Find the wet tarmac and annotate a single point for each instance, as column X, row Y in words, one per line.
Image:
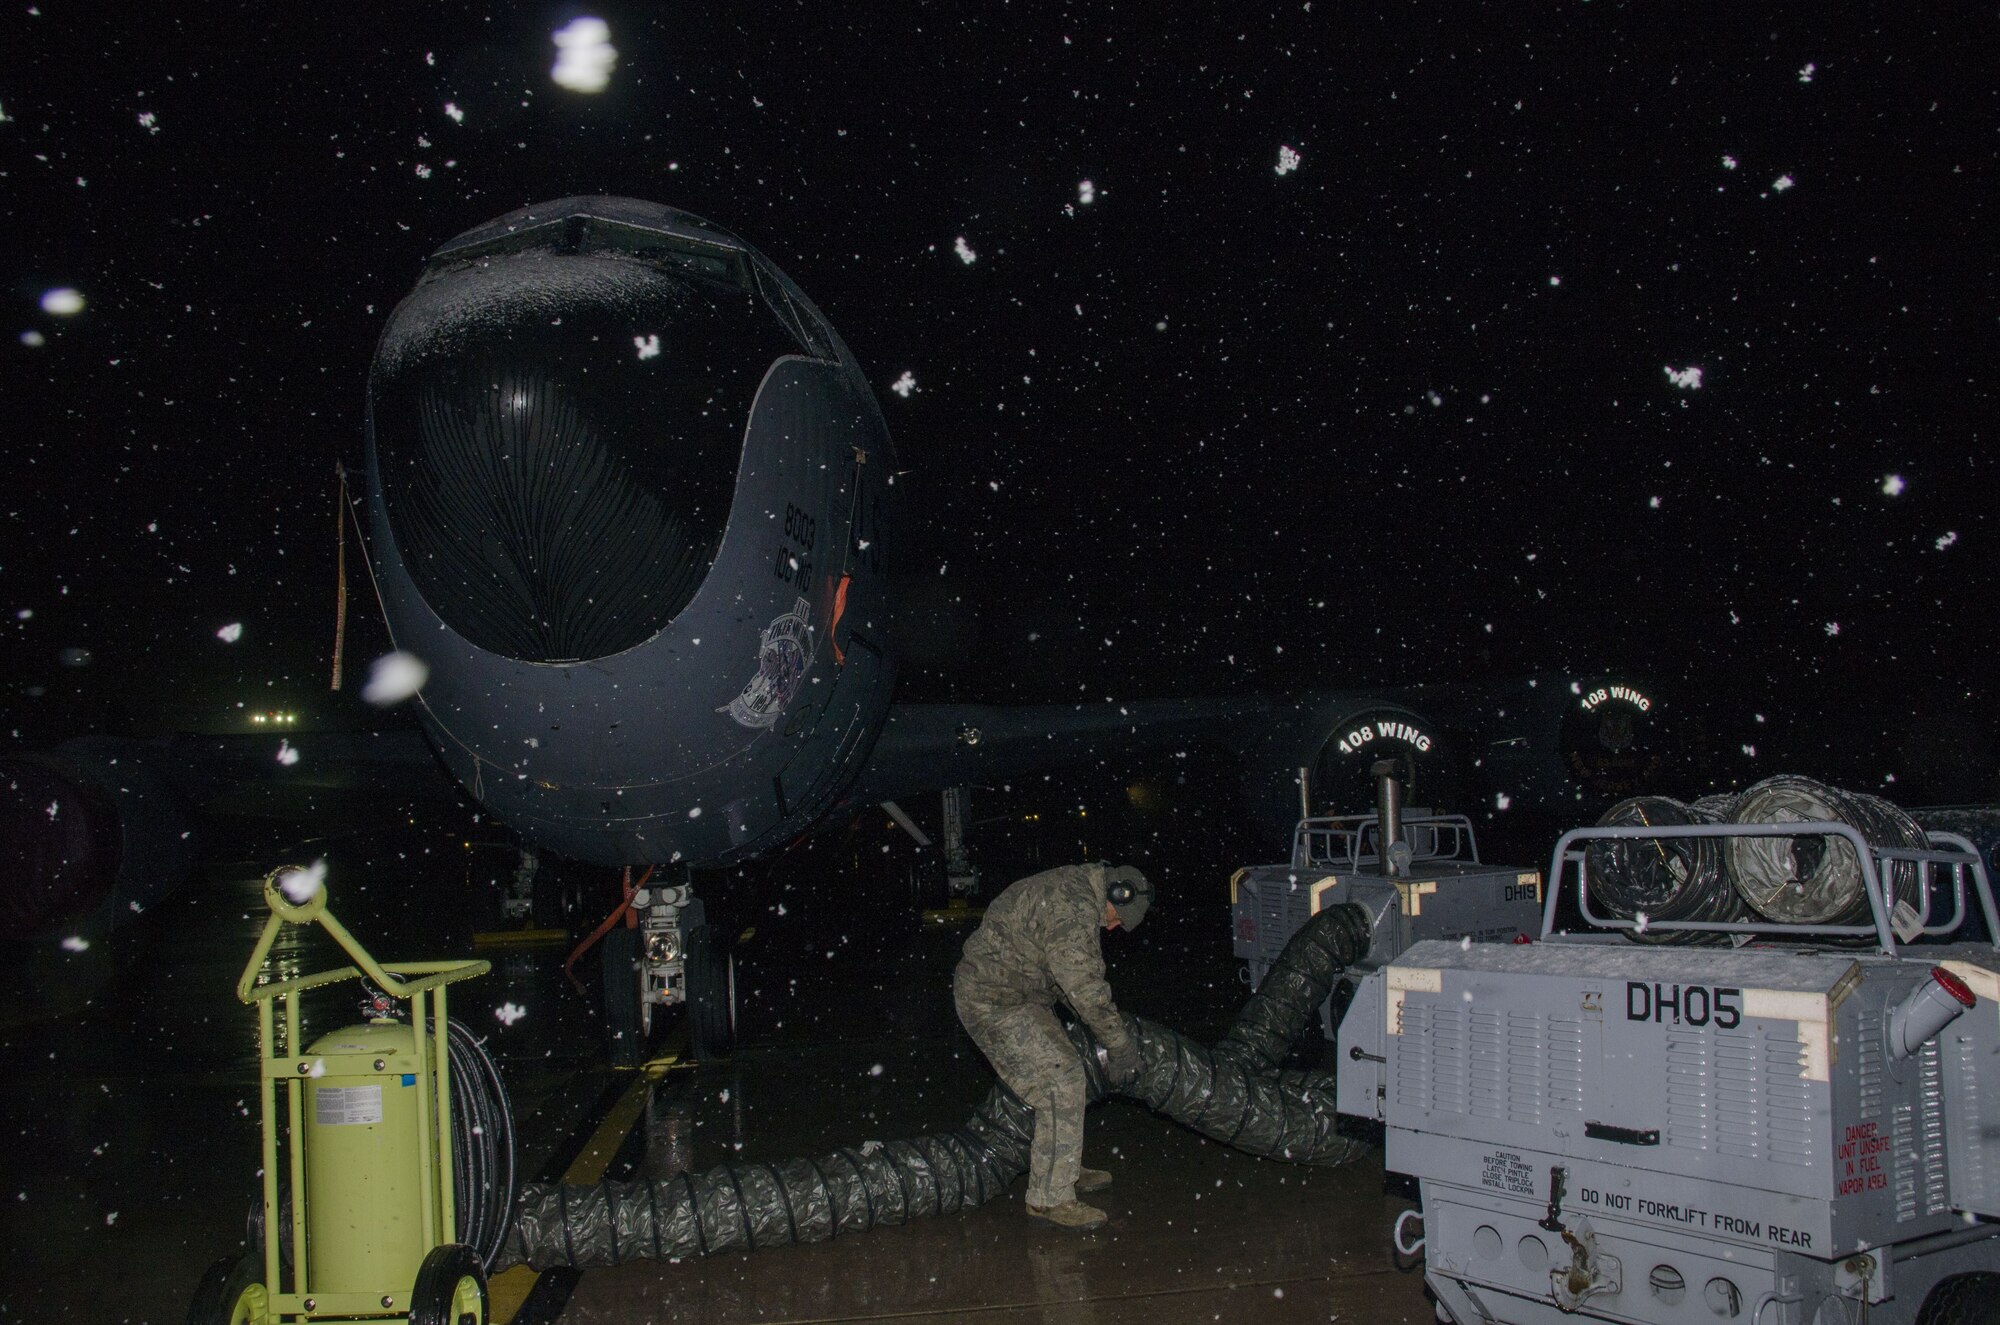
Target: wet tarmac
column 128, row 1114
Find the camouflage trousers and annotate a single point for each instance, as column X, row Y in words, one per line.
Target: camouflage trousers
column 1031, row 1054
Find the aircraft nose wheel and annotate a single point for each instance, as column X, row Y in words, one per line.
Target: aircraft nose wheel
column 711, row 993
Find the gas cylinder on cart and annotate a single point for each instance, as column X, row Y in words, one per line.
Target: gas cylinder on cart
column 363, row 1159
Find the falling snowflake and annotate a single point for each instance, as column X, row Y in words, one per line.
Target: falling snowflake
column 1728, row 162
column 394, row 677
column 1288, row 160
column 1750, row 750
column 1086, row 192
column 149, row 121
column 875, row 1071
column 964, row 251
column 648, row 346
column 1832, row 628
column 1501, row 800
column 695, row 813
column 1805, row 74
column 1950, row 537
column 1653, row 502
column 33, row 339
column 457, row 115
column 303, row 883
column 62, row 301
column 509, row 1013
column 1892, row 486
column 230, row 633
column 1687, row 379
column 286, row 755
column 75, row 943
column 905, row 384
column 423, row 171
column 53, row 807
column 1555, row 280
column 1781, row 183
column 584, row 55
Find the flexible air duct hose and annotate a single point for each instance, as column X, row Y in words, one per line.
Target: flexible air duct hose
column 1665, row 878
column 1816, row 880
column 741, row 1207
column 1289, row 997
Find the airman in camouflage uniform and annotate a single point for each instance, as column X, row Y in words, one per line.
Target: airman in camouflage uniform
column 1038, row 944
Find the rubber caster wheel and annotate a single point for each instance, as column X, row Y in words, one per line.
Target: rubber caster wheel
column 231, row 1293
column 451, row 1288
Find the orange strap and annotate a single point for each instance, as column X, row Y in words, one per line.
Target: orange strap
column 839, row 611
column 624, row 908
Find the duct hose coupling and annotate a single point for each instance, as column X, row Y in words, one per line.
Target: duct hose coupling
column 1929, row 1008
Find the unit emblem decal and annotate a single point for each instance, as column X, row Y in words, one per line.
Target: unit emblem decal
column 783, row 652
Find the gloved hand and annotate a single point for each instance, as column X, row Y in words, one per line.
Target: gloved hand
column 1121, row 1067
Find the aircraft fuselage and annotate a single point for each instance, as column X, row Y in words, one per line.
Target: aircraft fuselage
column 627, row 495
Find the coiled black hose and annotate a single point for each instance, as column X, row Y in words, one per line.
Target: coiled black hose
column 485, row 1183
column 740, row 1207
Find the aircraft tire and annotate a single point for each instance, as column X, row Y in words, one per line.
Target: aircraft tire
column 621, row 997
column 710, row 996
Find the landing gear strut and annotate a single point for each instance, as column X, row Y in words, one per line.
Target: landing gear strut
column 674, row 956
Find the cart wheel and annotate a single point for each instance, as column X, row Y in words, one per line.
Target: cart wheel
column 231, row 1293
column 451, row 1288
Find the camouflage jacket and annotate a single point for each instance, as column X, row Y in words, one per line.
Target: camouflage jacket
column 1039, row 943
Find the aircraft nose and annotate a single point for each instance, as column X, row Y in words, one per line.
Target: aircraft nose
column 557, row 438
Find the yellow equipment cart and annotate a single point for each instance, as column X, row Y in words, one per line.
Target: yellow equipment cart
column 366, row 1132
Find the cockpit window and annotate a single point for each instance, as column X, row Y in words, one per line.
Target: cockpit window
column 799, row 318
column 692, row 255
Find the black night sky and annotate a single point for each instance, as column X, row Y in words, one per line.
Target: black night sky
column 1189, row 423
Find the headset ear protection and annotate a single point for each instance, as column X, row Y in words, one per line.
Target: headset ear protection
column 1123, row 891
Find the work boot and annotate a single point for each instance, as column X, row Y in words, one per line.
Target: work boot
column 1092, row 1180
column 1072, row 1215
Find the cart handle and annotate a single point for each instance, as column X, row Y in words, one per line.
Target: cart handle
column 284, row 911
